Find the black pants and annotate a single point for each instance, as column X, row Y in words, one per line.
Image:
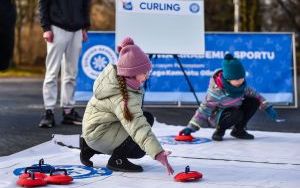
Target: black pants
column 130, row 149
column 239, row 117
column 7, row 32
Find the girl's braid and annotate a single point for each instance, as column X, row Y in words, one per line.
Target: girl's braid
column 126, row 113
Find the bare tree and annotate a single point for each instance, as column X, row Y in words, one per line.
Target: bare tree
column 26, row 10
column 291, row 9
column 250, row 15
column 281, row 15
column 218, row 15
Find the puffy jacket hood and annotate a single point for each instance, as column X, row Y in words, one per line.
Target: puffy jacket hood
column 107, row 85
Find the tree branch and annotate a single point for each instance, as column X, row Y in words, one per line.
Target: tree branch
column 290, row 15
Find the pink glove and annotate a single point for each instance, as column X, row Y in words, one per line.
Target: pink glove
column 162, row 157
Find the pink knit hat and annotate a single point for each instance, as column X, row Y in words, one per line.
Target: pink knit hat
column 132, row 60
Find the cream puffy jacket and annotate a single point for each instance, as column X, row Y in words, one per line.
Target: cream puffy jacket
column 104, row 128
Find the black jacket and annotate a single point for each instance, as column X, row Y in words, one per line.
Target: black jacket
column 70, row 15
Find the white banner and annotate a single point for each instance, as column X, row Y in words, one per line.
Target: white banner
column 162, row 7
column 162, row 27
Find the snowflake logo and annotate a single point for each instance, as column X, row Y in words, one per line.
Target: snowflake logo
column 99, row 62
column 95, row 59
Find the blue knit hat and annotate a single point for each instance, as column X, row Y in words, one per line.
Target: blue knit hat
column 232, row 68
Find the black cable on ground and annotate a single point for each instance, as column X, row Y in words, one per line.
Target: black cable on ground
column 206, row 158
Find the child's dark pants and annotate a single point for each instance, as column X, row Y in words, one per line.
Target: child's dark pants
column 129, row 149
column 118, row 160
column 239, row 117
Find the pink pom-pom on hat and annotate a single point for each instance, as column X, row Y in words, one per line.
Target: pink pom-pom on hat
column 132, row 60
column 127, row 41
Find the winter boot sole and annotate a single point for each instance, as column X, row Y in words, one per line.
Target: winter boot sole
column 217, row 138
column 122, row 170
column 242, row 137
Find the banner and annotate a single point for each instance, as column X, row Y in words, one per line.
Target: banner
column 267, row 57
column 97, row 52
column 158, row 26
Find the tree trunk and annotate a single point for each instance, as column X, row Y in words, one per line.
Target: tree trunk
column 250, row 19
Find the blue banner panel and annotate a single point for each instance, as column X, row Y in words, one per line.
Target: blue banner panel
column 97, row 52
column 267, row 57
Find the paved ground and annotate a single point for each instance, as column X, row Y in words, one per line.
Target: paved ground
column 21, row 108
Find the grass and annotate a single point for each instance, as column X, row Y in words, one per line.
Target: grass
column 26, row 72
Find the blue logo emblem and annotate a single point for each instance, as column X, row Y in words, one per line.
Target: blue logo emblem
column 76, row 171
column 171, row 140
column 194, row 8
column 99, row 62
column 95, row 59
column 127, row 5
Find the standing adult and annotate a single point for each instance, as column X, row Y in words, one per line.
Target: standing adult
column 65, row 25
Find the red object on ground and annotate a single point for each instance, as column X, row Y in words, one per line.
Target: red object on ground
column 36, row 172
column 29, row 180
column 61, row 179
column 188, row 175
column 185, row 138
column 37, row 175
